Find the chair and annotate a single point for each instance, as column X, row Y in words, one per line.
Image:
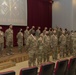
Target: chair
column 8, row 73
column 29, row 71
column 72, row 66
column 47, row 69
column 61, row 67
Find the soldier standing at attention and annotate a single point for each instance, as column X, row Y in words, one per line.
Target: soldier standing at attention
column 40, row 52
column 44, row 31
column 68, row 44
column 20, row 40
column 32, row 31
column 31, row 49
column 62, row 44
column 54, row 44
column 1, row 40
column 50, row 32
column 74, row 43
column 37, row 34
column 9, row 39
column 47, row 50
column 26, row 34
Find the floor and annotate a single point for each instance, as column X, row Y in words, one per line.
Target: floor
column 24, row 64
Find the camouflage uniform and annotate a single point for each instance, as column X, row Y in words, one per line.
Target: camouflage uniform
column 20, row 40
column 40, row 45
column 68, row 44
column 54, row 44
column 62, row 44
column 47, row 51
column 9, row 40
column 74, row 43
column 32, row 31
column 1, row 41
column 37, row 34
column 31, row 49
column 50, row 32
column 45, row 30
column 26, row 34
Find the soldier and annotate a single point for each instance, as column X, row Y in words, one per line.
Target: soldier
column 74, row 43
column 20, row 40
column 32, row 31
column 47, row 51
column 26, row 34
column 62, row 44
column 9, row 39
column 44, row 31
column 1, row 40
column 31, row 49
column 68, row 44
column 54, row 44
column 50, row 32
column 37, row 34
column 40, row 45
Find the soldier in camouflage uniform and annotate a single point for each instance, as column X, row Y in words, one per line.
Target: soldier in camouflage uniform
column 40, row 45
column 32, row 31
column 54, row 44
column 47, row 49
column 50, row 32
column 20, row 40
column 1, row 40
column 31, row 49
column 62, row 44
column 26, row 34
column 74, row 43
column 37, row 34
column 9, row 39
column 45, row 30
column 68, row 44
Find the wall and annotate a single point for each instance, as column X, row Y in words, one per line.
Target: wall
column 74, row 14
column 62, row 11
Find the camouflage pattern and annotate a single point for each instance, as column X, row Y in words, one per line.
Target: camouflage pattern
column 54, row 44
column 62, row 44
column 1, row 41
column 20, row 40
column 74, row 43
column 31, row 49
column 40, row 45
column 47, row 49
column 68, row 44
column 45, row 30
column 9, row 39
column 32, row 31
column 50, row 32
column 37, row 34
column 26, row 34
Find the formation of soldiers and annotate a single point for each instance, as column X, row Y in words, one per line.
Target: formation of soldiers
column 41, row 45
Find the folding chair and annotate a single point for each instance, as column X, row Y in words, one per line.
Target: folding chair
column 29, row 71
column 8, row 73
column 72, row 66
column 61, row 67
column 47, row 69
